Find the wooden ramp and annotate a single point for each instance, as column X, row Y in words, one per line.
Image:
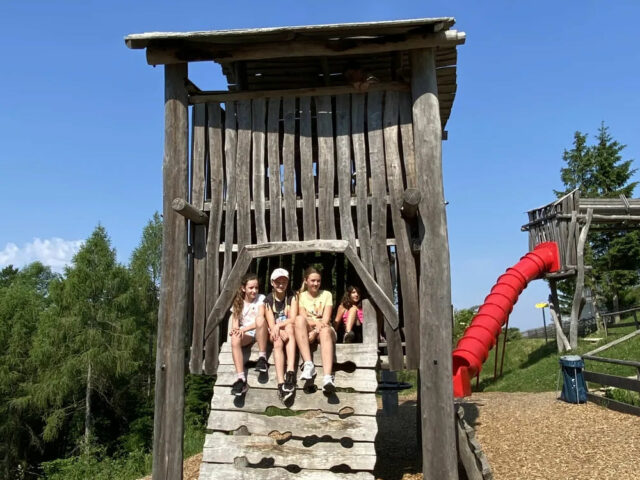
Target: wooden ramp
column 328, row 437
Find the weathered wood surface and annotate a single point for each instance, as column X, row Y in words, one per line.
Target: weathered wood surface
column 219, row 448
column 307, row 183
column 258, row 109
column 436, row 390
column 359, row 428
column 184, row 208
column 212, row 471
column 360, row 380
column 363, row 356
column 343, row 149
column 230, row 149
column 407, row 267
column 370, row 325
column 612, row 381
column 216, row 181
column 273, row 155
column 169, row 389
column 258, row 400
column 577, row 295
column 288, row 154
column 326, row 171
column 243, row 154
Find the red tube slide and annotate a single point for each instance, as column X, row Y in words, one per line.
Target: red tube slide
column 473, row 348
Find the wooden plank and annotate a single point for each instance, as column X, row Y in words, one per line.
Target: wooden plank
column 359, row 428
column 214, row 471
column 614, row 361
column 613, row 404
column 362, row 179
column 369, row 325
column 169, row 386
column 436, row 390
column 242, row 173
column 379, row 219
column 309, row 220
column 216, row 180
column 198, row 238
column 257, row 400
column 467, row 455
column 360, row 380
column 612, row 380
column 406, row 134
column 343, row 150
column 363, row 356
column 406, row 262
column 230, row 148
column 611, row 344
column 258, row 119
column 326, row 172
column 273, row 155
column 188, row 211
column 219, row 448
column 288, row 153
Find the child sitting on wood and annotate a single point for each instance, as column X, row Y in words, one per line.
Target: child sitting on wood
column 350, row 313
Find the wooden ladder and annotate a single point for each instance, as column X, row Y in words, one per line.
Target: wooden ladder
column 326, row 437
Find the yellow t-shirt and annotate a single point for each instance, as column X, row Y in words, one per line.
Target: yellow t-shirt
column 315, row 305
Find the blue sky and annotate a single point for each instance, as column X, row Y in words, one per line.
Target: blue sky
column 81, row 116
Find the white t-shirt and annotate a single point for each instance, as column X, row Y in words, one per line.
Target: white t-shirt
column 250, row 311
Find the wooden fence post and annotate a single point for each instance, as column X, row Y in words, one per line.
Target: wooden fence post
column 170, row 357
column 439, row 458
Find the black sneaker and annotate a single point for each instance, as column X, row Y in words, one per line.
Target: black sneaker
column 328, row 385
column 349, row 337
column 262, row 365
column 289, row 381
column 281, row 393
column 239, row 387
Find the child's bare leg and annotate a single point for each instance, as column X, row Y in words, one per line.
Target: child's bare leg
column 351, row 319
column 291, row 348
column 278, row 357
column 237, row 342
column 262, row 334
column 327, row 340
column 302, row 337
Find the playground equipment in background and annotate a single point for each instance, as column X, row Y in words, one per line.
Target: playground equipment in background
column 473, row 348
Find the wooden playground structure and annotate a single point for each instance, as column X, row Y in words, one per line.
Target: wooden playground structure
column 327, row 140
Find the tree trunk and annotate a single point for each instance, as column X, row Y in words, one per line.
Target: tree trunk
column 616, row 307
column 577, row 297
column 87, row 412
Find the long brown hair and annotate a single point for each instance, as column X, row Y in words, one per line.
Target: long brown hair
column 308, row 271
column 238, row 300
column 346, row 298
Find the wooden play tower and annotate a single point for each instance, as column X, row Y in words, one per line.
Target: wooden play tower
column 328, row 139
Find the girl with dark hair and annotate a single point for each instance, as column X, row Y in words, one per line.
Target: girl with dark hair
column 349, row 312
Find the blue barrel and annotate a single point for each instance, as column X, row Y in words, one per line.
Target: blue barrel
column 574, row 388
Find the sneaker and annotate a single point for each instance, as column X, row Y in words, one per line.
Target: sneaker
column 308, row 371
column 281, row 392
column 328, row 385
column 239, row 387
column 289, row 381
column 262, row 365
column 349, row 337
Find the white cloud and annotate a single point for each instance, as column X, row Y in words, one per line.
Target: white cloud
column 54, row 252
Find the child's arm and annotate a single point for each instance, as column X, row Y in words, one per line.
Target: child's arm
column 339, row 313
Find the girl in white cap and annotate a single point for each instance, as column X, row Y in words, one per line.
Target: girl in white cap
column 281, row 308
column 313, row 323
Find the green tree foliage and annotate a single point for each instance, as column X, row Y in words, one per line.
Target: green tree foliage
column 599, row 170
column 461, row 320
column 23, row 296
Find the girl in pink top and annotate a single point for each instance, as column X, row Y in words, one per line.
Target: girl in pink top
column 349, row 312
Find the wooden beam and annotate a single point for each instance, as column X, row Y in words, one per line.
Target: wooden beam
column 226, row 96
column 169, row 393
column 410, row 202
column 184, row 208
column 168, row 52
column 439, row 458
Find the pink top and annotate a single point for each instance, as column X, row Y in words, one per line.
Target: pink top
column 345, row 315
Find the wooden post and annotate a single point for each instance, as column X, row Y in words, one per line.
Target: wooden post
column 577, row 296
column 170, row 358
column 439, row 459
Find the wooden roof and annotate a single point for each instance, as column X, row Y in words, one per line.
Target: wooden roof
column 314, row 56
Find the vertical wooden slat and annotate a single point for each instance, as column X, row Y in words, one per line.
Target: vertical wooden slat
column 257, row 150
column 379, row 219
column 326, row 172
column 343, row 150
column 242, row 173
column 406, row 133
column 439, row 459
column 198, row 233
column 230, row 148
column 168, row 424
column 216, row 176
column 306, row 171
column 404, row 255
column 362, row 179
column 273, row 154
column 288, row 152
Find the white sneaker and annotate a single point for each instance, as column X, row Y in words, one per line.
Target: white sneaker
column 328, row 385
column 308, row 371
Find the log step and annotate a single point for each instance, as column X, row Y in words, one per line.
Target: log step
column 211, row 471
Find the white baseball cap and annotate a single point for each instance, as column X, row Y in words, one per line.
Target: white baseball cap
column 279, row 272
